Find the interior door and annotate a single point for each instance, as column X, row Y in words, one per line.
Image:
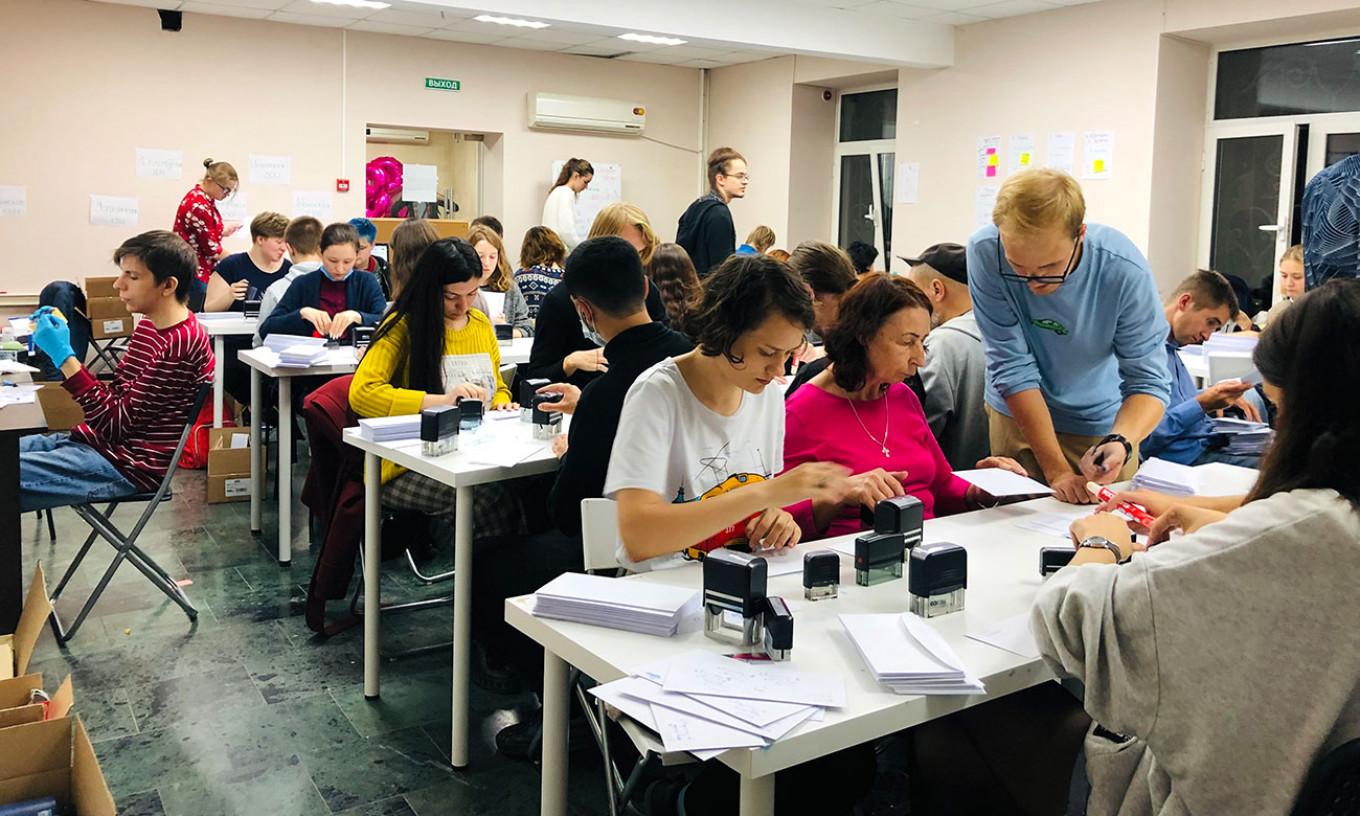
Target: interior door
column 865, row 183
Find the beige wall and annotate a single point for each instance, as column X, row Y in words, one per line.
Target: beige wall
column 812, row 145
column 750, row 108
column 101, row 80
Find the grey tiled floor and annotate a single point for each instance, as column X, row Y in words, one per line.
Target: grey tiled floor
column 246, row 712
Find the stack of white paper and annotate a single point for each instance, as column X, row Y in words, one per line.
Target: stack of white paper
column 209, row 317
column 1167, row 477
column 303, row 356
column 278, row 342
column 390, row 429
column 705, row 703
column 1244, row 437
column 908, row 656
column 1224, row 341
column 634, row 606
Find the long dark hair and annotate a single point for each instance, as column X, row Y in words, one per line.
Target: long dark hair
column 1312, row 353
column 672, row 272
column 572, row 167
column 421, row 307
column 863, row 311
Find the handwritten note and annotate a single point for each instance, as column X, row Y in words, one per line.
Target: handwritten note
column 13, row 200
column 988, row 157
column 1062, row 149
column 1099, row 154
column 160, row 164
column 315, row 203
column 271, row 169
column 1022, row 151
column 984, row 200
column 707, row 673
column 112, row 211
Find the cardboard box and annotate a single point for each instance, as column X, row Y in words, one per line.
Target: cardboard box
column 60, row 408
column 53, row 758
column 228, row 465
column 105, row 307
column 16, row 648
column 107, row 327
column 101, row 287
column 15, row 705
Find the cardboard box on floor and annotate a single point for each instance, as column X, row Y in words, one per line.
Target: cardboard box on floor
column 16, row 707
column 97, row 308
column 105, row 328
column 100, row 287
column 16, row 648
column 53, row 758
column 228, row 465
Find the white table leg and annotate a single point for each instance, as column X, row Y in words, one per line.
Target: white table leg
column 372, row 570
column 462, row 624
column 219, row 363
column 556, row 706
column 256, row 450
column 285, row 471
column 757, row 795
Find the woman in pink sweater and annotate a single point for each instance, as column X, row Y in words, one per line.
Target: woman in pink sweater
column 860, row 414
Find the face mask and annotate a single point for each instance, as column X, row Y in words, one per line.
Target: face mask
column 592, row 335
column 328, row 274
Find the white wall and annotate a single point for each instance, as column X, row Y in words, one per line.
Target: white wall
column 100, row 80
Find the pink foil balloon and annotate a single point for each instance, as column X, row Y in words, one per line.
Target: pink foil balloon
column 382, row 183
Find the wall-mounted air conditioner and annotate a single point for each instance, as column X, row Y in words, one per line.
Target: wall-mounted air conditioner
column 397, row 136
column 584, row 113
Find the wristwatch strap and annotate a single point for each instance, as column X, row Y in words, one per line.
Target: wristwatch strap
column 1114, row 437
column 1101, row 542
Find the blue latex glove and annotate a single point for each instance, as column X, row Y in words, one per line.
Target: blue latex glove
column 53, row 337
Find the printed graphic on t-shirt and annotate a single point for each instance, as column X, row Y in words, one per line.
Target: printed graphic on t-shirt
column 1049, row 324
column 473, row 368
column 722, row 471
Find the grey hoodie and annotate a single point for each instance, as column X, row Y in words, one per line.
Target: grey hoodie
column 953, row 378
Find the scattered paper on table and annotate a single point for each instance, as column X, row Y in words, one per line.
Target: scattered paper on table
column 18, row 395
column 159, row 164
column 908, row 182
column 316, row 203
column 13, row 200
column 503, row 454
column 682, row 733
column 1012, row 635
column 998, row 482
column 113, row 211
column 271, row 169
column 1099, row 154
column 1062, row 149
column 1022, row 151
column 706, row 673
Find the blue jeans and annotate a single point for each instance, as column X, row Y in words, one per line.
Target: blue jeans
column 56, row 472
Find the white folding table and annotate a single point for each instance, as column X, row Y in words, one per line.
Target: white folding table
column 219, row 328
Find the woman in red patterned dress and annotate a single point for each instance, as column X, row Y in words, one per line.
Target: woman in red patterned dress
column 198, row 221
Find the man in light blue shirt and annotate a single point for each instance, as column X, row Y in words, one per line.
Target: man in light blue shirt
column 1073, row 333
column 1200, row 306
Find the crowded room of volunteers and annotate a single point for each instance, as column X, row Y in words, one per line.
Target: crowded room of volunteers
column 761, row 410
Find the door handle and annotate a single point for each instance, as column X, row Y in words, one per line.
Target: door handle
column 1270, row 228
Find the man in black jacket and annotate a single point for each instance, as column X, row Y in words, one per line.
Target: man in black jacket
column 608, row 291
column 706, row 230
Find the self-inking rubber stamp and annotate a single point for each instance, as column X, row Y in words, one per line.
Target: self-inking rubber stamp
column 902, row 514
column 734, row 586
column 937, row 578
column 547, row 424
column 527, row 389
column 821, row 575
column 470, row 415
column 878, row 558
column 439, row 430
column 778, row 629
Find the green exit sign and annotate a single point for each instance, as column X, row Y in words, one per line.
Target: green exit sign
column 436, row 84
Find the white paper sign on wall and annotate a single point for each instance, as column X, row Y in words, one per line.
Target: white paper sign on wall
column 160, row 164
column 315, row 203
column 112, row 211
column 271, row 169
column 420, row 182
column 13, row 200
column 606, row 187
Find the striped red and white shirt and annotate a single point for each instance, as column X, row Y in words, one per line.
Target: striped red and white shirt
column 136, row 420
column 198, row 222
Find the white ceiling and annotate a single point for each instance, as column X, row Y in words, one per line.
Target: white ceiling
column 582, row 34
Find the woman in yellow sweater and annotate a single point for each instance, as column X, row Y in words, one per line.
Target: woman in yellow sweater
column 435, row 349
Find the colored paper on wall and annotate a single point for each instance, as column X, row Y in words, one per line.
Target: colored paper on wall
column 271, row 169
column 13, row 200
column 1022, row 151
column 988, row 157
column 1099, row 154
column 160, row 164
column 908, row 182
column 113, row 211
column 315, row 203
column 1062, row 149
column 420, row 182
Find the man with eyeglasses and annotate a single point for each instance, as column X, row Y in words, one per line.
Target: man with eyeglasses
column 706, row 230
column 1073, row 332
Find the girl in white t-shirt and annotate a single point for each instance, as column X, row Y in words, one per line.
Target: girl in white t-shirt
column 701, row 435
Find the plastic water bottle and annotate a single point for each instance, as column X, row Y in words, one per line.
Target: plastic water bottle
column 9, row 347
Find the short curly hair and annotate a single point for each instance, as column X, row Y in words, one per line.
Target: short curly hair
column 742, row 293
column 864, row 310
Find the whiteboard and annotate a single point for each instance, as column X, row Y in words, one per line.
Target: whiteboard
column 605, row 188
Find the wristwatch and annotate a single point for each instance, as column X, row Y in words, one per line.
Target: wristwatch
column 1103, row 542
column 1114, row 437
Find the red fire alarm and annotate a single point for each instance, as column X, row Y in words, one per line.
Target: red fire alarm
column 342, row 185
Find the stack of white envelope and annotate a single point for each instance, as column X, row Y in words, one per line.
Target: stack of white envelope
column 1167, row 477
column 633, row 606
column 905, row 654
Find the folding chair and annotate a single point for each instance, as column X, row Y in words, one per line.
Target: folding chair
column 101, row 525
